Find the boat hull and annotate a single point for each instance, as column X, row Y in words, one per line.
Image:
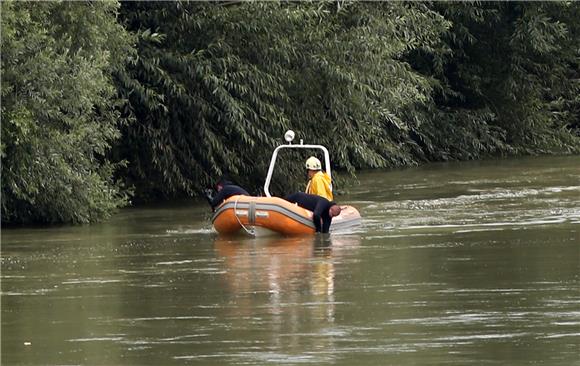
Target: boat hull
column 272, row 215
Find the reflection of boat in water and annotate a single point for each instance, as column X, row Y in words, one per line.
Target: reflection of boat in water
column 287, row 285
column 259, row 216
column 266, row 273
column 266, row 215
column 273, row 273
column 263, row 264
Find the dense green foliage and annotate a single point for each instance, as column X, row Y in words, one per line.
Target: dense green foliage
column 210, row 88
column 381, row 84
column 59, row 110
column 215, row 87
column 510, row 81
column 201, row 101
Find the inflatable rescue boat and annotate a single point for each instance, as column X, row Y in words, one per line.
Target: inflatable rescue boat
column 260, row 216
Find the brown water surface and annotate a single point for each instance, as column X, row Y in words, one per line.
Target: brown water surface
column 466, row 263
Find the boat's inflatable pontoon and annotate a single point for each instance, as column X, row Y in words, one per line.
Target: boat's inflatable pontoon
column 269, row 215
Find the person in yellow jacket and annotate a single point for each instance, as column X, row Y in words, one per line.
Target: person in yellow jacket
column 319, row 182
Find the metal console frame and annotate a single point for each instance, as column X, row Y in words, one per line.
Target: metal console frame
column 291, row 146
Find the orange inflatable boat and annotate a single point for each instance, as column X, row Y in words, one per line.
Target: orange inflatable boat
column 259, row 216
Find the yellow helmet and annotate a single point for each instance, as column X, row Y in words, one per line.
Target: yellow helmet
column 313, row 164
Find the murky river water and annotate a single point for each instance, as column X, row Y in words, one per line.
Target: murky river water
column 467, row 264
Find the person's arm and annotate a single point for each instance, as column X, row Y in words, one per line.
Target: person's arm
column 326, row 221
column 209, row 195
column 323, row 217
column 318, row 217
column 219, row 198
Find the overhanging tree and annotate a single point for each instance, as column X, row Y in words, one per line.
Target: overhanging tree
column 59, row 112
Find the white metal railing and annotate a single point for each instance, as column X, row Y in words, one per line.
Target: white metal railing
column 289, row 136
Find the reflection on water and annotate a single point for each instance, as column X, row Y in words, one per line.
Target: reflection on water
column 468, row 264
column 291, row 280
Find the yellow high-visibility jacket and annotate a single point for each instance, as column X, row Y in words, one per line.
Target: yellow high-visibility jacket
column 319, row 184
